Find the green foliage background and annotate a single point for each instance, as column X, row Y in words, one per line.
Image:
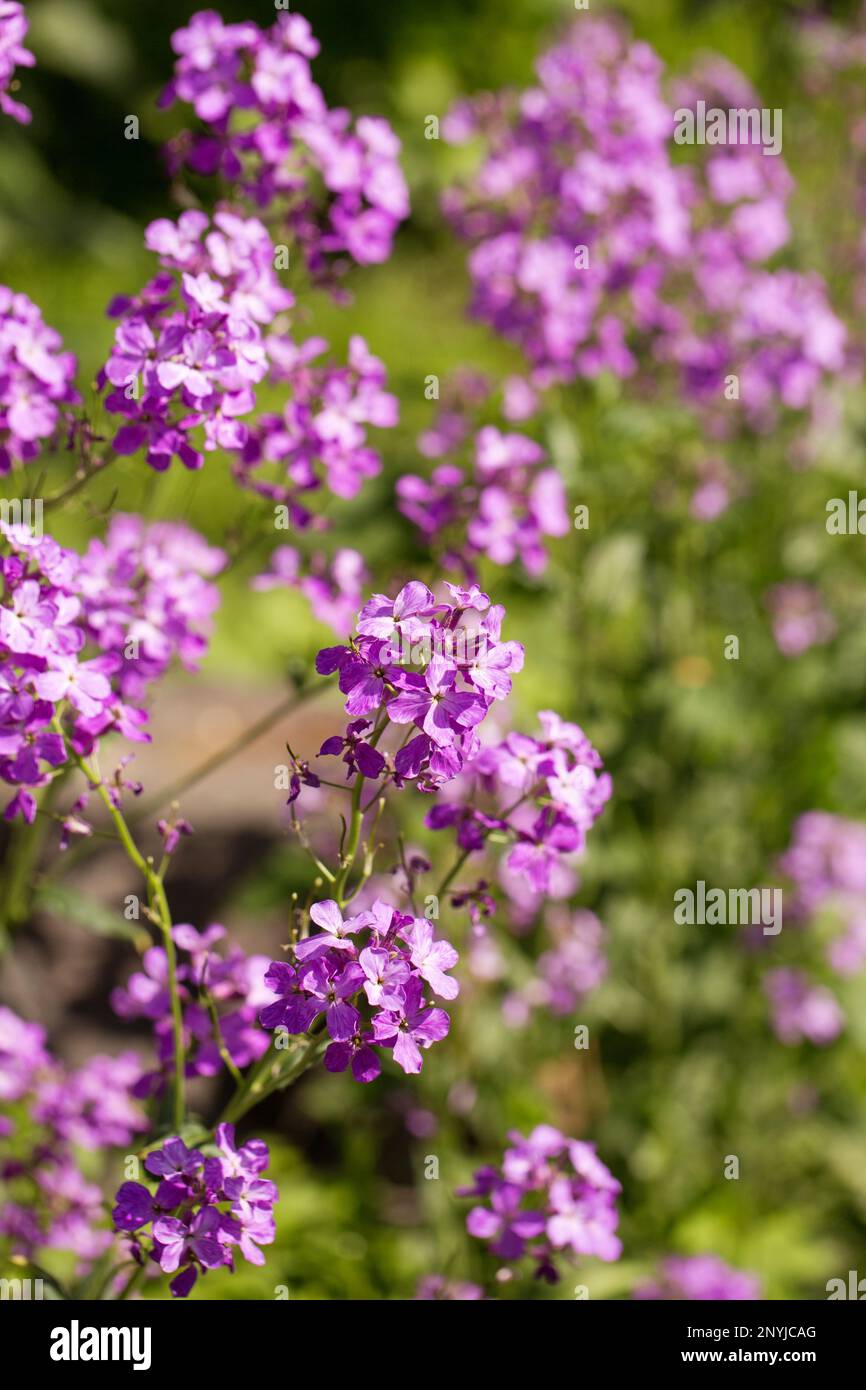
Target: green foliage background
column 712, row 760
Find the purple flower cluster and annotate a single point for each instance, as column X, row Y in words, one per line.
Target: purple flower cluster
column 772, row 328
column 36, row 377
column 334, row 587
column 52, row 1206
column 576, row 209
column 79, row 636
column 13, row 28
column 573, row 966
column 189, row 350
column 93, row 1107
column 371, row 989
column 435, row 1288
column 48, row 1203
column 552, row 1196
column 800, row 619
column 42, row 674
column 233, row 984
column 554, row 789
column 692, row 1278
column 713, row 493
column 827, row 865
column 146, row 597
column 504, row 508
column 590, row 247
column 802, row 1010
column 22, row 1055
column 827, row 862
column 203, row 1209
column 320, row 438
column 417, row 663
column 268, row 132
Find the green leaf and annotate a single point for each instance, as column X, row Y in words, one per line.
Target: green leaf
column 86, row 912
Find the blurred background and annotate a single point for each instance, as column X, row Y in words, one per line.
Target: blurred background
column 712, row 760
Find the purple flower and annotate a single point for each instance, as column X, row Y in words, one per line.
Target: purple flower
column 264, row 125
column 435, row 1287
column 826, row 861
column 173, row 1160
column 574, row 965
column 175, row 1241
column 800, row 620
column 84, row 686
column 426, row 663
column 592, row 250
column 22, row 1054
column 560, row 790
column 13, row 28
column 364, row 1061
column 36, row 375
column 409, row 613
column 552, row 1194
column 699, row 1277
column 250, row 1224
column 386, row 975
column 332, row 586
column 202, row 1209
column 93, row 1106
column 500, row 502
column 432, row 703
column 189, row 351
column 802, row 1010
column 332, row 985
column 80, row 635
column 358, row 755
column 585, row 1225
column 319, row 441
column 410, row 1027
column 335, row 931
column 241, row 1166
column 503, row 1224
column 363, row 675
column 367, row 975
column 294, row 1009
column 235, row 984
column 134, row 1207
column 431, row 958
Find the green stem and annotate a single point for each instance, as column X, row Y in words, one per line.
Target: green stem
column 272, row 1074
column 452, row 872
column 358, row 813
column 82, row 851
column 220, row 1040
column 461, row 859
column 161, row 916
column 157, row 888
column 253, row 1083
column 351, row 848
column 82, row 477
